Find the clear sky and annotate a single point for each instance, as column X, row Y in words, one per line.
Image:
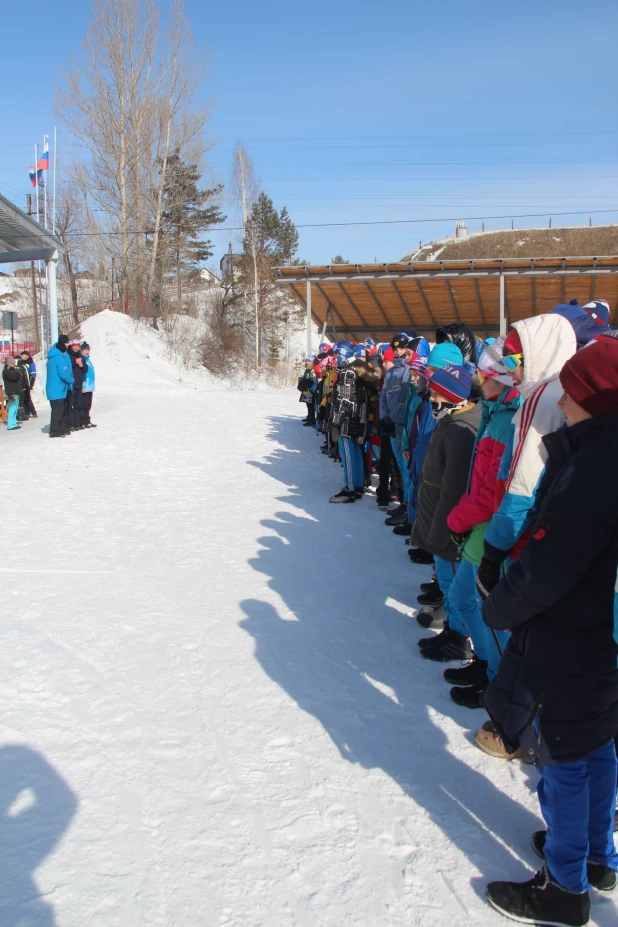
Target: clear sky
column 365, row 112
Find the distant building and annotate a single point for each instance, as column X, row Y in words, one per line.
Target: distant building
column 228, row 263
column 209, row 278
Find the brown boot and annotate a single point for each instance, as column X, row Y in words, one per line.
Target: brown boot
column 490, row 742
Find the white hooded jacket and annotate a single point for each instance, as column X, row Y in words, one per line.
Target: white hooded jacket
column 548, row 341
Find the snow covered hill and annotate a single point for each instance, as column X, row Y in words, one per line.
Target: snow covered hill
column 214, row 712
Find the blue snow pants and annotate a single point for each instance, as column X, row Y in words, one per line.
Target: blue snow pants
column 403, row 469
column 351, row 454
column 12, row 408
column 445, row 574
column 465, row 616
column 578, row 802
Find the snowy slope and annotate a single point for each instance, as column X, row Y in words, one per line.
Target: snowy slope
column 127, row 352
column 214, row 712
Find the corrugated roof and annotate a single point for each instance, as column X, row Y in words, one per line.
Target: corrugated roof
column 20, row 235
column 378, row 299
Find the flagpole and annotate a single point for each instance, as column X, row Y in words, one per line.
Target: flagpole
column 36, row 174
column 46, row 141
column 54, row 203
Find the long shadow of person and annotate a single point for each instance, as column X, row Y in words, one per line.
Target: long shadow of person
column 36, row 806
column 352, row 663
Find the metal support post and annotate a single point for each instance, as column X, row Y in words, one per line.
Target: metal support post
column 502, row 307
column 52, row 298
column 308, row 316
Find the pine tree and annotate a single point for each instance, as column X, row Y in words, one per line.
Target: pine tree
column 270, row 239
column 187, row 212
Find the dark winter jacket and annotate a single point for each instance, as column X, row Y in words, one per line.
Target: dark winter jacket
column 558, row 600
column 444, row 478
column 349, row 404
column 11, row 377
column 78, row 372
column 31, row 369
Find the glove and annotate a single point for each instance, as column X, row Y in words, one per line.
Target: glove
column 458, row 538
column 490, row 569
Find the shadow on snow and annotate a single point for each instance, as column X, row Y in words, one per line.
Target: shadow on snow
column 36, row 806
column 336, row 587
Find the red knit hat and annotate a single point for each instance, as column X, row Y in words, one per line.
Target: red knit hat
column 389, row 355
column 512, row 344
column 590, row 377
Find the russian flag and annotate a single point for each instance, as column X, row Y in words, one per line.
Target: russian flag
column 43, row 162
column 32, row 173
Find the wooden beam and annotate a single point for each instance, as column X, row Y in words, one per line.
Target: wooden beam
column 403, row 304
column 342, row 288
column 424, row 298
column 452, row 299
column 533, row 296
column 328, row 302
column 379, row 307
column 480, row 301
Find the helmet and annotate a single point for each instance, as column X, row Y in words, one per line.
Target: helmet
column 344, row 356
column 401, row 341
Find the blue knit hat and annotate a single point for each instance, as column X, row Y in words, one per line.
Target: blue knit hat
column 599, row 310
column 443, row 354
column 452, row 382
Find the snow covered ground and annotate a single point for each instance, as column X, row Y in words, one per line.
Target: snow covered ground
column 214, row 712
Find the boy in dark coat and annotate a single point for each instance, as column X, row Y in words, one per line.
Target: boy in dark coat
column 26, row 363
column 443, row 483
column 556, row 692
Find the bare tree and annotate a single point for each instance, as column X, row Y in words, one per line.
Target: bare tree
column 67, row 224
column 129, row 102
column 245, row 191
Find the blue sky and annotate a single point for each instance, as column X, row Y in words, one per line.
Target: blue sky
column 366, row 112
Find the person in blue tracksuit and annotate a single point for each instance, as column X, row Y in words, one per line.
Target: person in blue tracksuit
column 556, row 691
column 58, row 382
column 87, row 388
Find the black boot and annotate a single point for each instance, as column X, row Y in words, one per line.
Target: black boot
column 473, row 673
column 434, row 598
column 468, row 696
column 434, row 639
column 418, row 555
column 600, row 877
column 396, row 516
column 403, row 529
column 448, row 646
column 344, row 495
column 540, row 901
column 431, row 587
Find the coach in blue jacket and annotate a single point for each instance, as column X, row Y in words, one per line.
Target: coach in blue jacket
column 556, row 691
column 59, row 380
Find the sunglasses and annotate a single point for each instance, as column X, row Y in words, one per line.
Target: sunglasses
column 513, row 361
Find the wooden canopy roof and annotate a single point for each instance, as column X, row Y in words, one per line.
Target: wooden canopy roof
column 381, row 299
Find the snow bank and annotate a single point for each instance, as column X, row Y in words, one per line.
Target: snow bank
column 128, row 353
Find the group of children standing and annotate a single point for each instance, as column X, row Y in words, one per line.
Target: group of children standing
column 18, row 379
column 498, row 459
